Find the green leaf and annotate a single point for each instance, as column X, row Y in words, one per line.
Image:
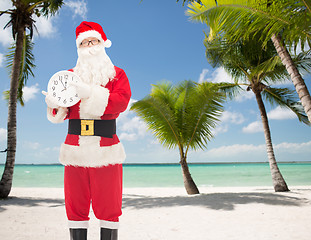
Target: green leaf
column 27, row 64
column 181, row 116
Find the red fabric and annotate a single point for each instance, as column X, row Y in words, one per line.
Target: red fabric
column 88, row 26
column 119, row 96
column 101, row 186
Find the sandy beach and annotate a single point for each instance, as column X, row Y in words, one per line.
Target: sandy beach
column 169, row 214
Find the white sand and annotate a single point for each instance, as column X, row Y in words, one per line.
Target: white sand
column 169, row 214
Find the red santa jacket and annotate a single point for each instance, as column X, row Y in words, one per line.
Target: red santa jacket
column 104, row 103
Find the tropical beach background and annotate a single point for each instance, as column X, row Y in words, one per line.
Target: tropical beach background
column 155, row 41
column 152, row 41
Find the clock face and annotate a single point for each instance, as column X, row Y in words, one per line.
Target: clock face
column 60, row 89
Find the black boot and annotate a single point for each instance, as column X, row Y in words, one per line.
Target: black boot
column 108, row 234
column 78, row 233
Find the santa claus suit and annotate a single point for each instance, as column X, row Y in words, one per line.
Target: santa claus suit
column 92, row 153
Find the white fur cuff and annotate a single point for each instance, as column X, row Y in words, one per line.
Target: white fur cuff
column 78, row 224
column 108, row 224
column 59, row 117
column 96, row 104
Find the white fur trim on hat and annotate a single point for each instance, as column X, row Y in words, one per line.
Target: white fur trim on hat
column 107, row 43
column 92, row 33
column 91, row 155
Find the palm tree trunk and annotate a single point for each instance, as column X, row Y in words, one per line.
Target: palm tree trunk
column 299, row 83
column 7, row 177
column 189, row 184
column 278, row 181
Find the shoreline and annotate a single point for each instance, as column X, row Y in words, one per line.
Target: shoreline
column 168, row 164
column 169, row 213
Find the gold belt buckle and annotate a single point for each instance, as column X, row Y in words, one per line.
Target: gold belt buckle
column 87, row 127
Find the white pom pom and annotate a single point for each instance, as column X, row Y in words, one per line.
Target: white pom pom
column 107, row 43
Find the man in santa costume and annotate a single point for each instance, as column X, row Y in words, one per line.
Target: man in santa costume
column 93, row 160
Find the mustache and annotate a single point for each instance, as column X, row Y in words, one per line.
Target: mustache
column 90, row 51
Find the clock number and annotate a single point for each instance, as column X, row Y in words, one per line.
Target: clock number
column 53, row 88
column 65, row 101
column 54, row 94
column 59, row 98
column 76, row 95
column 55, row 82
column 60, row 78
column 71, row 99
column 66, row 76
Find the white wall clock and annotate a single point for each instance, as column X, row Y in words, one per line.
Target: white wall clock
column 60, row 89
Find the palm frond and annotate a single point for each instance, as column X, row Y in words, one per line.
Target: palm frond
column 181, row 115
column 157, row 111
column 240, row 19
column 231, row 90
column 50, row 7
column 27, row 64
column 303, row 62
column 204, row 109
column 286, row 98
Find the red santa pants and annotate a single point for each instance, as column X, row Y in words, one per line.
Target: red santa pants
column 100, row 186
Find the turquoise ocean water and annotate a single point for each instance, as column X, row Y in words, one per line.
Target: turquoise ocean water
column 158, row 175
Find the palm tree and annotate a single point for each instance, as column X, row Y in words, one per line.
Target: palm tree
column 21, row 21
column 286, row 23
column 182, row 116
column 257, row 70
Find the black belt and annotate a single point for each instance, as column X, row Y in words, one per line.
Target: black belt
column 85, row 127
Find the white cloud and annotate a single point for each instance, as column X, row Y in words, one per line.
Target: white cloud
column 281, row 114
column 30, row 92
column 253, row 127
column 236, row 149
column 232, row 117
column 249, row 152
column 1, row 59
column 203, row 75
column 5, row 34
column 227, row 118
column 220, row 75
column 293, row 147
column 128, row 136
column 3, row 134
column 217, row 76
column 46, row 27
column 78, row 7
column 131, row 127
column 31, row 145
column 245, row 96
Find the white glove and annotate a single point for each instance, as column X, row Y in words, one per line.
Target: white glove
column 83, row 90
column 50, row 102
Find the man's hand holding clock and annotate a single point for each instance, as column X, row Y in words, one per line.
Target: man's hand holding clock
column 50, row 100
column 82, row 89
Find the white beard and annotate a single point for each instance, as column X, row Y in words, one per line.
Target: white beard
column 93, row 66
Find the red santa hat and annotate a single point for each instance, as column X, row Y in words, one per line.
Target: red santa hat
column 91, row 29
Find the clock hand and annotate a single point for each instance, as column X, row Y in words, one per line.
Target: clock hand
column 63, row 85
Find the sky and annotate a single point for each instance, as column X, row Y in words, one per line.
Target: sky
column 152, row 41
